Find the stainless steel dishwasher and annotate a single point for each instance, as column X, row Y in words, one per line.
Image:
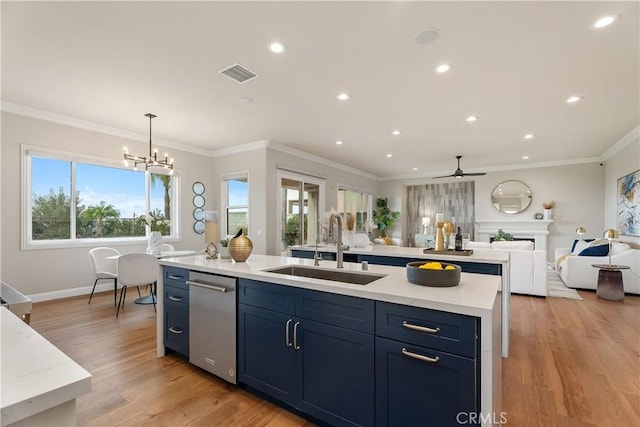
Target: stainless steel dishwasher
column 212, row 324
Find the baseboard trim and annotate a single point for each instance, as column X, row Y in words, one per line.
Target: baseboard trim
column 73, row 292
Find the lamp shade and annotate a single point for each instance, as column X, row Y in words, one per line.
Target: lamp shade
column 610, row 234
column 580, row 230
column 426, row 220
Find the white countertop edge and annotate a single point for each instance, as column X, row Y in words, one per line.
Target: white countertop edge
column 474, row 296
column 25, row 392
column 486, row 256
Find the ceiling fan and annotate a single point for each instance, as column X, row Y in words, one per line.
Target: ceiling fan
column 459, row 173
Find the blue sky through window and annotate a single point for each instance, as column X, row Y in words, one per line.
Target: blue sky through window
column 122, row 188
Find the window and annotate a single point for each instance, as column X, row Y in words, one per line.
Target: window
column 355, row 203
column 74, row 199
column 235, row 202
column 299, row 226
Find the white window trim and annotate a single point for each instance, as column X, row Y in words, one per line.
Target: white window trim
column 26, row 243
column 224, row 196
column 282, row 173
column 361, row 190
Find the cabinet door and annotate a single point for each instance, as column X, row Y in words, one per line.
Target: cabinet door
column 265, row 358
column 412, row 392
column 335, row 367
column 176, row 330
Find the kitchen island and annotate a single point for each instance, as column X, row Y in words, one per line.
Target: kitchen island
column 492, row 262
column 469, row 311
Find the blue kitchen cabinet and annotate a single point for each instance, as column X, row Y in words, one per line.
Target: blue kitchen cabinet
column 176, row 310
column 426, row 367
column 311, row 350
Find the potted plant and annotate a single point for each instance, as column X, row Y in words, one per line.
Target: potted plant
column 224, row 249
column 502, row 236
column 384, row 217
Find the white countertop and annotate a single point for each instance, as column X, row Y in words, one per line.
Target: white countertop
column 36, row 375
column 475, row 295
column 490, row 256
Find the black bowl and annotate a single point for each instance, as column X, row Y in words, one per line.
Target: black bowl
column 436, row 278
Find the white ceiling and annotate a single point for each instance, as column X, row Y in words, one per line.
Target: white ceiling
column 513, row 65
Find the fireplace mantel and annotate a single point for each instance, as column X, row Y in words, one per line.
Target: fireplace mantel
column 520, row 228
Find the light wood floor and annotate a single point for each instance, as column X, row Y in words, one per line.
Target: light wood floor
column 573, row 363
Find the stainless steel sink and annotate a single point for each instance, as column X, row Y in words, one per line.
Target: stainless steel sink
column 354, row 277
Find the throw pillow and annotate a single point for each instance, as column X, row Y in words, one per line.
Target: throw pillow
column 579, row 245
column 596, row 248
column 575, row 243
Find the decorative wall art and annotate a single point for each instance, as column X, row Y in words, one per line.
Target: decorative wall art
column 629, row 204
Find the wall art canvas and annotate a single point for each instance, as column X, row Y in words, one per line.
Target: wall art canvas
column 629, row 204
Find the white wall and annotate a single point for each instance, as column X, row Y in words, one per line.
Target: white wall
column 254, row 162
column 49, row 270
column 577, row 191
column 623, row 162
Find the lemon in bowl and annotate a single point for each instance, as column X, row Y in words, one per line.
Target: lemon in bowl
column 433, row 273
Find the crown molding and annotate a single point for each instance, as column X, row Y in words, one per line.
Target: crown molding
column 321, row 160
column 61, row 119
column 632, row 136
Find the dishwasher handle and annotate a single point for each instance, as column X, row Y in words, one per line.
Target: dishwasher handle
column 208, row 286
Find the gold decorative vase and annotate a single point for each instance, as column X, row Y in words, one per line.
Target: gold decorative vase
column 240, row 247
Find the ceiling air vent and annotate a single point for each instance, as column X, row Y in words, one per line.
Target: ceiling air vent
column 239, row 73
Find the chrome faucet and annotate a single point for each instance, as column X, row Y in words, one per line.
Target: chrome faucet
column 340, row 248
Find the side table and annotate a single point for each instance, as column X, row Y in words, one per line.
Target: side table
column 610, row 281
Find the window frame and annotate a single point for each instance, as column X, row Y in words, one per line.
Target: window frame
column 370, row 201
column 224, row 198
column 27, row 242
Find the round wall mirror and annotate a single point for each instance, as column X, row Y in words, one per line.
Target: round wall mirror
column 198, row 187
column 198, row 227
column 511, row 197
column 198, row 201
column 198, row 214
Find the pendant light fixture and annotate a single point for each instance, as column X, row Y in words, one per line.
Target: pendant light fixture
column 152, row 160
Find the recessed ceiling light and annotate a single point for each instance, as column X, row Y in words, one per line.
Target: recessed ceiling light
column 343, row 96
column 426, row 36
column 443, row 68
column 338, row 142
column 525, row 157
column 389, row 155
column 528, row 136
column 396, row 132
column 472, row 118
column 605, row 21
column 573, row 99
column 414, row 169
column 245, row 100
column 276, row 47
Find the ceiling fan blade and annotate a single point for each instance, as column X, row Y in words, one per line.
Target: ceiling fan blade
column 445, row 176
column 474, row 174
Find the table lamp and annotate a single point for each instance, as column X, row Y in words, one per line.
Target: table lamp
column 610, row 235
column 580, row 231
column 211, row 233
column 426, row 223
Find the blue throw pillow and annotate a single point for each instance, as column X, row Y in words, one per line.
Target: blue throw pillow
column 575, row 242
column 600, row 250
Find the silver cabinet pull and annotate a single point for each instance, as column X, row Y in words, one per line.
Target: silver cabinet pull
column 172, row 298
column 419, row 356
column 174, row 330
column 420, row 328
column 295, row 336
column 171, row 276
column 208, row 286
column 286, row 334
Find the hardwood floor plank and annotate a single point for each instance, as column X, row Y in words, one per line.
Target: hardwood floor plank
column 573, row 364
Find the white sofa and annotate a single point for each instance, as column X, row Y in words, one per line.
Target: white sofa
column 527, row 267
column 576, row 271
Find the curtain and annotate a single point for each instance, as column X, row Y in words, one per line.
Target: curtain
column 456, row 200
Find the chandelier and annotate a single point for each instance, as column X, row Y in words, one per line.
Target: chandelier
column 152, row 160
